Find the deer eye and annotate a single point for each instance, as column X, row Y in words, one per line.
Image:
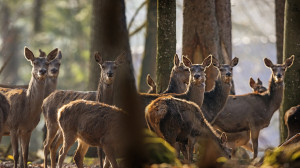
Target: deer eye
column 231, row 69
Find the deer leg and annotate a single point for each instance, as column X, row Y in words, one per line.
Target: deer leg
column 248, row 147
column 254, row 139
column 14, row 144
column 100, row 155
column 50, row 135
column 25, row 138
column 80, row 153
column 58, row 140
column 68, row 141
column 106, row 163
column 109, row 154
column 190, row 150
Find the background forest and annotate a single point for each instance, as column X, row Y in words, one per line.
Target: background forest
column 41, row 24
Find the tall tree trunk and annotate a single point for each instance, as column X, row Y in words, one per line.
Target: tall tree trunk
column 207, row 30
column 166, row 41
column 148, row 64
column 279, row 20
column 291, row 47
column 37, row 15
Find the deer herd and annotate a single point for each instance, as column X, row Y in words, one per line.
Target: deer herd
column 182, row 114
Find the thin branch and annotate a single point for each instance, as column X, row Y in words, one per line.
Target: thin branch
column 137, row 29
column 135, row 14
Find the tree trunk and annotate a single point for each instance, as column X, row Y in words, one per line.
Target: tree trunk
column 291, row 47
column 166, row 41
column 148, row 64
column 37, row 15
column 207, row 30
column 279, row 19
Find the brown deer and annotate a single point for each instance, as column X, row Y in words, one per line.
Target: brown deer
column 4, row 110
column 253, row 112
column 26, row 104
column 92, row 124
column 151, row 84
column 61, row 97
column 178, row 120
column 257, row 87
column 215, row 99
column 292, row 121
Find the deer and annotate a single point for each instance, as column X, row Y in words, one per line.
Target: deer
column 257, row 87
column 215, row 100
column 24, row 114
column 253, row 112
column 179, row 120
column 151, row 84
column 92, row 124
column 4, row 110
column 292, row 118
column 61, row 97
column 52, row 76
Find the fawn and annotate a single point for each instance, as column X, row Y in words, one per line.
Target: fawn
column 257, row 87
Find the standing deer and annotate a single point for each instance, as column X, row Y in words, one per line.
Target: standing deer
column 92, row 124
column 4, row 110
column 215, row 100
column 257, row 87
column 61, row 97
column 292, row 121
column 253, row 112
column 151, row 84
column 178, row 120
column 26, row 104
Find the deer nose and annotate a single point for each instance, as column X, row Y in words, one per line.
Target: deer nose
column 197, row 76
column 54, row 70
column 43, row 71
column 279, row 75
column 110, row 74
column 228, row 74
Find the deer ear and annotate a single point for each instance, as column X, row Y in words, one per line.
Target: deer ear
column 215, row 62
column 42, row 53
column 59, row 56
column 259, row 81
column 268, row 62
column 187, row 62
column 207, row 61
column 223, row 138
column 252, row 83
column 52, row 54
column 121, row 58
column 98, row 58
column 176, row 60
column 289, row 62
column 234, row 61
column 150, row 81
column 28, row 54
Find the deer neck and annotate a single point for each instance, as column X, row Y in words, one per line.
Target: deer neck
column 105, row 92
column 51, row 83
column 215, row 100
column 195, row 93
column 275, row 95
column 35, row 96
column 175, row 86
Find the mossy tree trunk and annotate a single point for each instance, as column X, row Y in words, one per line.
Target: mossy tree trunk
column 166, row 41
column 291, row 96
column 207, row 30
column 149, row 57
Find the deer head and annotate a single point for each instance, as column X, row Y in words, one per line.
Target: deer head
column 257, row 86
column 54, row 65
column 40, row 64
column 109, row 68
column 225, row 69
column 197, row 70
column 180, row 71
column 278, row 70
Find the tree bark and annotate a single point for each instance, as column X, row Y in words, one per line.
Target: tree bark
column 207, row 30
column 279, row 20
column 37, row 15
column 148, row 64
column 166, row 41
column 291, row 47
